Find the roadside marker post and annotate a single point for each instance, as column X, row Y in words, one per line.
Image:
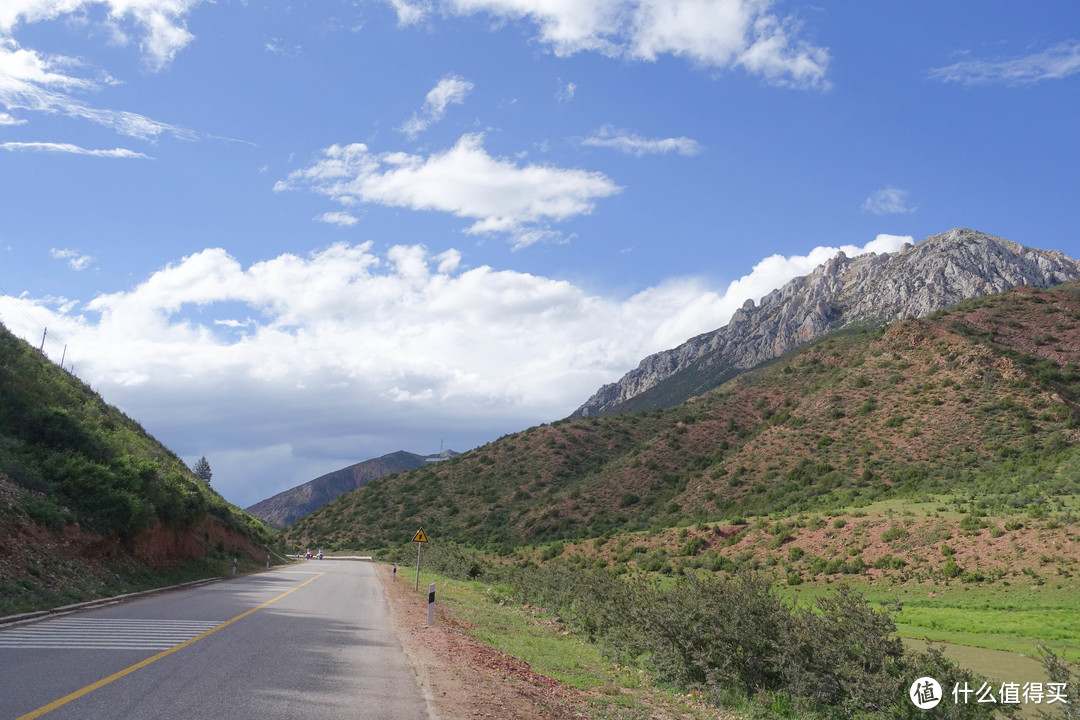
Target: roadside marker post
column 419, row 538
column 431, row 604
column 234, row 567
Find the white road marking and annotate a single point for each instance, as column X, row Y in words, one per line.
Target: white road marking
column 103, row 634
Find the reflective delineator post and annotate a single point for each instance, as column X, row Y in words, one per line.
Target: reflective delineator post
column 234, row 567
column 431, row 604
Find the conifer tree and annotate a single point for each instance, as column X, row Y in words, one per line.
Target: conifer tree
column 202, row 470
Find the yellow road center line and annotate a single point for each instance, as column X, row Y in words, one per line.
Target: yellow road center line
column 127, row 671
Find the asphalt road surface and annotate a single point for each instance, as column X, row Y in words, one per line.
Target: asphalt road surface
column 311, row 640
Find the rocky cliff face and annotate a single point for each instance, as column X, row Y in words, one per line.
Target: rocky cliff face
column 919, row 279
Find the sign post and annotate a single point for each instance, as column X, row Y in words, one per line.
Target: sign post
column 419, row 538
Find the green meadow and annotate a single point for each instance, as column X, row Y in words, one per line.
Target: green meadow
column 1002, row 616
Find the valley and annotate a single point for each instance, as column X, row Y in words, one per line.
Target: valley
column 918, row 479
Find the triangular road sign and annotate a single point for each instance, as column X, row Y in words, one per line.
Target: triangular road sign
column 420, row 536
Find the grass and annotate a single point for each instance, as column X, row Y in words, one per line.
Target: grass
column 1010, row 617
column 530, row 634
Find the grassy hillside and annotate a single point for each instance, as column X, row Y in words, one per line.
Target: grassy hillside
column 79, row 477
column 974, row 407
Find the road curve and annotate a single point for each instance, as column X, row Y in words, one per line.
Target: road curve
column 312, row 640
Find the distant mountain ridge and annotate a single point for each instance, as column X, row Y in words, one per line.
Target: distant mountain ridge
column 295, row 503
column 875, row 289
column 979, row 402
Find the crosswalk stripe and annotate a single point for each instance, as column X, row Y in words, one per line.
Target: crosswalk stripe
column 103, row 634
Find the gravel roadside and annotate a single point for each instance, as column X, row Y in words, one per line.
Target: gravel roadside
column 461, row 678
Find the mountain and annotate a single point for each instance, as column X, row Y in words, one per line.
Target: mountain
column 873, row 289
column 90, row 503
column 287, row 506
column 978, row 404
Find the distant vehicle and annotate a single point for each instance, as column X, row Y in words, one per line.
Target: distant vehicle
column 320, row 554
column 309, row 555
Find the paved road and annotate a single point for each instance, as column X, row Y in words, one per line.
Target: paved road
column 311, row 640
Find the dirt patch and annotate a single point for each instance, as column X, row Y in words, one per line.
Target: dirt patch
column 462, row 678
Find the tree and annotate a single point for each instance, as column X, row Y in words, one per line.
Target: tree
column 202, row 469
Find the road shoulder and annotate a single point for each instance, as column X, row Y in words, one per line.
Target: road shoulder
column 461, row 678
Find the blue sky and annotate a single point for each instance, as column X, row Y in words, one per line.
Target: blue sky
column 290, row 237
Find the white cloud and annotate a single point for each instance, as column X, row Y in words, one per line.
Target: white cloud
column 73, row 150
column 451, row 89
column 159, row 23
column 344, row 354
column 1055, row 63
column 276, row 46
column 40, row 83
column 889, row 201
column 409, row 13
column 500, row 195
column 632, row 144
column 717, row 34
column 338, row 218
column 76, row 260
column 564, row 93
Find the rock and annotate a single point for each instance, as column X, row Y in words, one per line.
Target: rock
column 940, row 271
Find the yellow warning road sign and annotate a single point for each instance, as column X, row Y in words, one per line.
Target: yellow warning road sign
column 420, row 536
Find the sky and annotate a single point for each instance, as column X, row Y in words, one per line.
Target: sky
column 291, row 236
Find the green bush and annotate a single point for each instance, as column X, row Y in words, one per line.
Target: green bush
column 893, row 533
column 693, row 546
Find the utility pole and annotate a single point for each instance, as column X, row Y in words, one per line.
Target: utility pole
column 42, row 348
column 63, row 357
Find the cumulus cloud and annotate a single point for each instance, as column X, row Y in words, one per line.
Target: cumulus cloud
column 75, row 259
column 72, row 149
column 1055, row 63
column 889, row 201
column 6, row 119
column 632, row 144
column 500, row 195
column 718, row 34
column 451, row 89
column 323, row 360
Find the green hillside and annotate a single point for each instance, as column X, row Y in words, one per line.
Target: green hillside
column 975, row 407
column 77, row 474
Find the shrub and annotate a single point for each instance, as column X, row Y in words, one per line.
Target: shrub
column 972, row 523
column 893, row 533
column 693, row 546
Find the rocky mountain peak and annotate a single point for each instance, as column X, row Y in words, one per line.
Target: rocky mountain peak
column 915, row 281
